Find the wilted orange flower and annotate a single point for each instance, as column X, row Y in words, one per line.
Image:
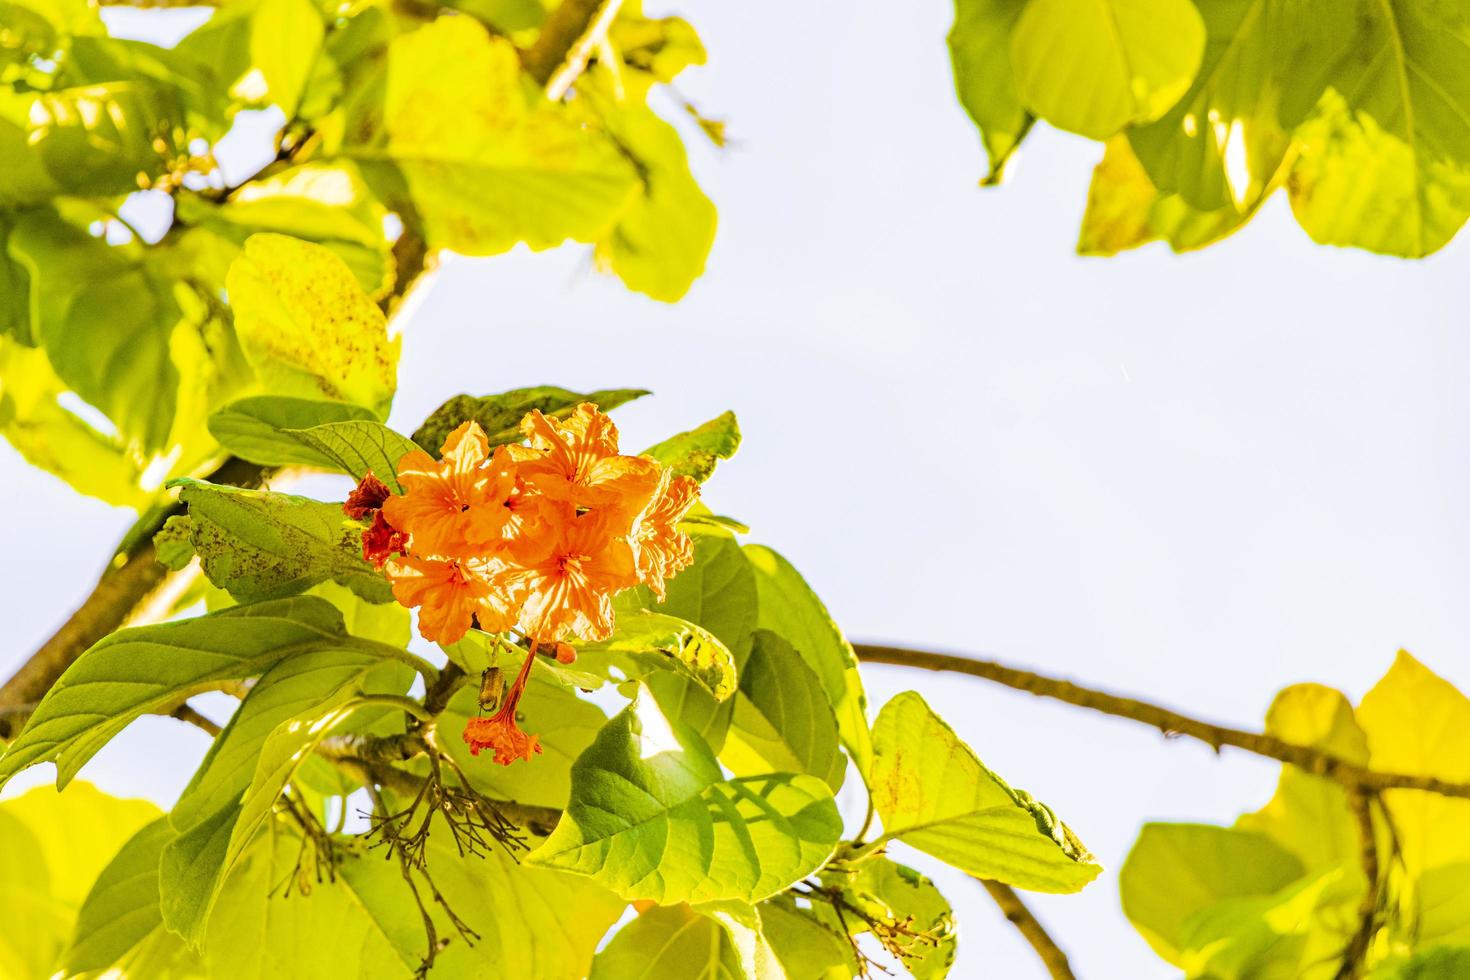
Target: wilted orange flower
column 662, row 549
column 381, row 541
column 569, row 576
column 455, row 506
column 500, row 731
column 577, row 462
column 452, row 594
column 366, row 497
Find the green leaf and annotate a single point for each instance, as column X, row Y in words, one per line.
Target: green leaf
column 679, row 943
column 782, row 721
column 789, row 607
column 1360, row 182
column 120, row 925
column 805, row 946
column 52, row 848
column 1222, row 144
column 1176, row 872
column 662, row 239
column 916, row 920
column 289, row 695
column 717, row 592
column 251, row 428
column 88, row 140
column 77, row 282
column 695, row 453
column 357, row 447
column 263, row 545
column 935, row 795
column 328, row 204
column 488, row 162
column 1125, row 210
column 646, row 641
column 500, row 415
column 262, row 930
column 263, row 52
column 1443, row 963
column 651, row 816
column 980, row 53
column 57, row 441
column 1093, row 67
column 291, row 708
column 138, row 670
column 306, row 325
column 565, row 723
column 1385, row 163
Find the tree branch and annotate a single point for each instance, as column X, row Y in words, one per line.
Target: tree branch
column 564, row 25
column 1355, row 956
column 1035, row 933
column 126, row 583
column 1304, row 757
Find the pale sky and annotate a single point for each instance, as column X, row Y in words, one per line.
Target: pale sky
column 1193, row 478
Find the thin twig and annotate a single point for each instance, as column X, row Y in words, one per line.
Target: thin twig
column 187, row 714
column 1309, row 759
column 570, row 21
column 1354, row 958
column 1034, row 932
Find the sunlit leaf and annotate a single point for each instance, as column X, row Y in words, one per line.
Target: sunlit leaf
column 1094, row 66
column 680, row 943
column 695, row 453
column 934, row 794
column 651, row 816
column 251, row 427
column 307, row 327
column 52, row 847
column 980, row 53
column 916, row 918
column 489, row 163
column 263, row 545
column 782, row 721
column 790, row 608
column 134, row 671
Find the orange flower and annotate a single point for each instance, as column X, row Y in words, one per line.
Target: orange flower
column 453, row 595
column 577, row 462
column 500, row 731
column 663, row 550
column 569, row 576
column 453, row 507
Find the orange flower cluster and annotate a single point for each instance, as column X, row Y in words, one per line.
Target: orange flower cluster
column 537, row 538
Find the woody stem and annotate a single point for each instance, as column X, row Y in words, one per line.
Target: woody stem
column 1168, row 721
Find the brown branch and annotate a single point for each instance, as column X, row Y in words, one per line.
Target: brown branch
column 1035, row 933
column 539, row 820
column 133, row 575
column 564, row 25
column 1311, row 760
column 451, row 678
column 187, row 714
column 1355, row 956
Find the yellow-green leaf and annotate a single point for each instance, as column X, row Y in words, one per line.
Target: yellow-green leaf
column 307, row 327
column 1094, row 66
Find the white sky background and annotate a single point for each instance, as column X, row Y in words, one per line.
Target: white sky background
column 1199, row 478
